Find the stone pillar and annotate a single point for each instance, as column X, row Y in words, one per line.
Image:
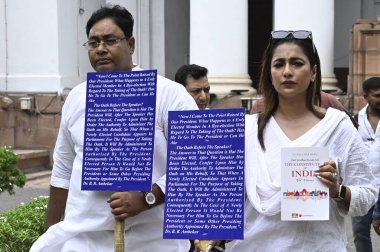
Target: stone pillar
column 82, row 14
column 318, row 17
column 219, row 42
column 42, row 49
column 3, row 47
column 149, row 32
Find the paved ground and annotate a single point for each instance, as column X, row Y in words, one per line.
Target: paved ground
column 351, row 246
column 39, row 186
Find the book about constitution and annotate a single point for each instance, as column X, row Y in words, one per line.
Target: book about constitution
column 303, row 196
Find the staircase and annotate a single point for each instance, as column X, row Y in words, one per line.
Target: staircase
column 33, row 160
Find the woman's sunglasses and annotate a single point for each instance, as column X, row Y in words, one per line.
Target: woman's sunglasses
column 300, row 34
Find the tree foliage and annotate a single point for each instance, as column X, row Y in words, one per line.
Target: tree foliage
column 21, row 227
column 10, row 175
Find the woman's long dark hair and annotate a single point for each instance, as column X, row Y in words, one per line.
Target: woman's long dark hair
column 270, row 95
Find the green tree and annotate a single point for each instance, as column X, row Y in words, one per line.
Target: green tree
column 10, row 175
column 21, row 227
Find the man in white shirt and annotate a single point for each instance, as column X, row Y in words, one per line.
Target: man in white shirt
column 369, row 129
column 84, row 220
column 194, row 78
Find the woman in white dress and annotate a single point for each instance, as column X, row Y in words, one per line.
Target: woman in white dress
column 290, row 83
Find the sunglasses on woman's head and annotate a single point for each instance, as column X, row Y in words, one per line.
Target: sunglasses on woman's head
column 300, row 34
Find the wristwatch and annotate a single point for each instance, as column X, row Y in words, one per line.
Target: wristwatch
column 341, row 193
column 150, row 198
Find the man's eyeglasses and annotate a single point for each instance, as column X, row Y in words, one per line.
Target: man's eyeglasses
column 300, row 34
column 109, row 42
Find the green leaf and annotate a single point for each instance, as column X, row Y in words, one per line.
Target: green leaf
column 10, row 175
column 21, row 227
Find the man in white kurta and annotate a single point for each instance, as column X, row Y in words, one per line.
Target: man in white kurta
column 371, row 139
column 88, row 224
column 264, row 230
column 89, row 216
column 369, row 130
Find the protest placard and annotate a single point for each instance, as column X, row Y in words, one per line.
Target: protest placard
column 119, row 131
column 205, row 175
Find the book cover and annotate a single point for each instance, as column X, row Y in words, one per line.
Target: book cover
column 303, row 196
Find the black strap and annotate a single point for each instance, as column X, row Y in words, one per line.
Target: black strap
column 354, row 120
column 356, row 117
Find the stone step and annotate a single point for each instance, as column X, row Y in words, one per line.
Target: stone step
column 38, row 175
column 33, row 160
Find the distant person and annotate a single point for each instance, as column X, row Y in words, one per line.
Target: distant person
column 195, row 80
column 330, row 101
column 376, row 217
column 327, row 101
column 369, row 129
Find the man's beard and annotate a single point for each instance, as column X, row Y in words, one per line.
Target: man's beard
column 376, row 107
